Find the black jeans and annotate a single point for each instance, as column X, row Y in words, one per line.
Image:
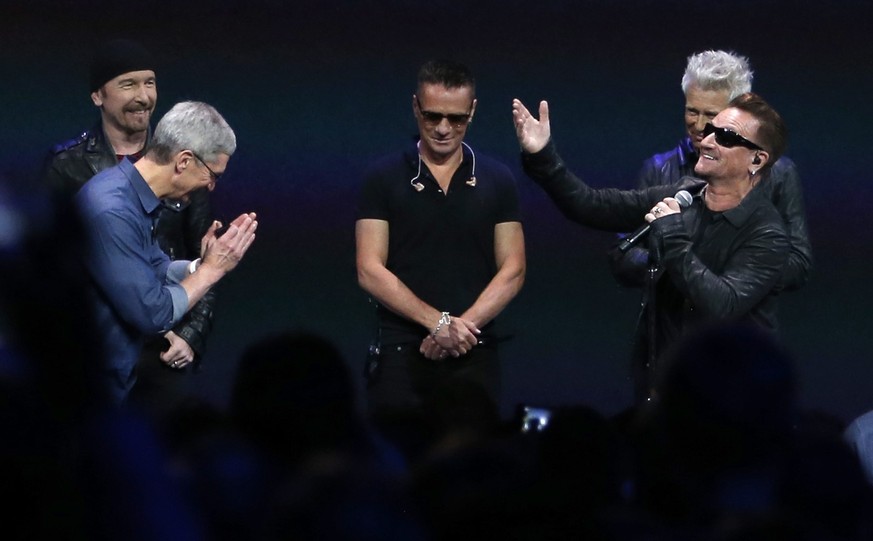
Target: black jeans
column 405, row 379
column 159, row 389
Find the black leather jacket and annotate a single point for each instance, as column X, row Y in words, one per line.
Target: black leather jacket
column 180, row 227
column 781, row 186
column 713, row 266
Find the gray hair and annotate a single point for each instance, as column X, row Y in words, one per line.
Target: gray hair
column 194, row 126
column 718, row 70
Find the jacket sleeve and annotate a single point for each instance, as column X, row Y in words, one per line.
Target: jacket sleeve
column 750, row 274
column 198, row 218
column 629, row 268
column 650, row 174
column 63, row 174
column 195, row 327
column 788, row 198
column 607, row 209
column 51, row 175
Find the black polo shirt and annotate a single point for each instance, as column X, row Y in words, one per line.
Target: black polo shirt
column 440, row 245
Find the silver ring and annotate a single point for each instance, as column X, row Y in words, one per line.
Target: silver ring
column 656, row 210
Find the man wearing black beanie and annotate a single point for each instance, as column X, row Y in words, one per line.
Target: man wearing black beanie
column 123, row 86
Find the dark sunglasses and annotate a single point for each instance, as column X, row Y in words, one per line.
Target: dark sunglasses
column 728, row 138
column 432, row 117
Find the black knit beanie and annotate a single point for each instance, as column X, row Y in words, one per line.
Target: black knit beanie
column 116, row 57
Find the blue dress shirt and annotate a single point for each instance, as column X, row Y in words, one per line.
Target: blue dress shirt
column 135, row 288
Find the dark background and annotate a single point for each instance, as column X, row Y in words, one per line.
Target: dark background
column 317, row 89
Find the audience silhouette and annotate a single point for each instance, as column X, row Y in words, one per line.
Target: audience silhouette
column 723, row 452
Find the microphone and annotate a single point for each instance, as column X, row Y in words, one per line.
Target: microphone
column 682, row 197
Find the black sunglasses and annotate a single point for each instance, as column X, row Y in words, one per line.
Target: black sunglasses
column 211, row 172
column 432, row 117
column 728, row 138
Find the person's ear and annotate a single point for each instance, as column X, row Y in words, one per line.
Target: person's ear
column 759, row 160
column 762, row 158
column 182, row 161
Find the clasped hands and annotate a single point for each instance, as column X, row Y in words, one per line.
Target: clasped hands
column 225, row 252
column 455, row 339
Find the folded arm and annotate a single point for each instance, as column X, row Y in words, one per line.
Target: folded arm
column 748, row 276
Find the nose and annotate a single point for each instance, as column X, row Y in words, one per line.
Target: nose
column 142, row 94
column 700, row 123
column 444, row 126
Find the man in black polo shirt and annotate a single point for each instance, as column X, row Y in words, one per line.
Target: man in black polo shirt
column 440, row 247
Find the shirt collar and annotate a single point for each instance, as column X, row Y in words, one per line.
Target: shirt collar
column 738, row 215
column 147, row 197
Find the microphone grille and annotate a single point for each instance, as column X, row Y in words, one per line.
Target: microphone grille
column 683, row 198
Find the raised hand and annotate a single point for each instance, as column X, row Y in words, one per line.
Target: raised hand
column 532, row 134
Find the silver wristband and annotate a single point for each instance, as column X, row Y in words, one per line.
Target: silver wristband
column 445, row 319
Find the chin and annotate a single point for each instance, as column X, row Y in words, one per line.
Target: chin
column 444, row 150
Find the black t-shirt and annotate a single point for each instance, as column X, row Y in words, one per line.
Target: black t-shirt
column 441, row 246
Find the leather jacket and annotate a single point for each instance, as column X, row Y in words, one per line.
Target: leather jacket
column 712, row 266
column 180, row 225
column 781, row 185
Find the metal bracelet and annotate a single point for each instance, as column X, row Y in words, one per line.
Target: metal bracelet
column 445, row 319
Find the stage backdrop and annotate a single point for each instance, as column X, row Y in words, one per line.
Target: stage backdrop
column 317, row 89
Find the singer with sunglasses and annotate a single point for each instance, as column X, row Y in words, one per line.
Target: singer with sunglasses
column 711, row 79
column 718, row 259
column 440, row 250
